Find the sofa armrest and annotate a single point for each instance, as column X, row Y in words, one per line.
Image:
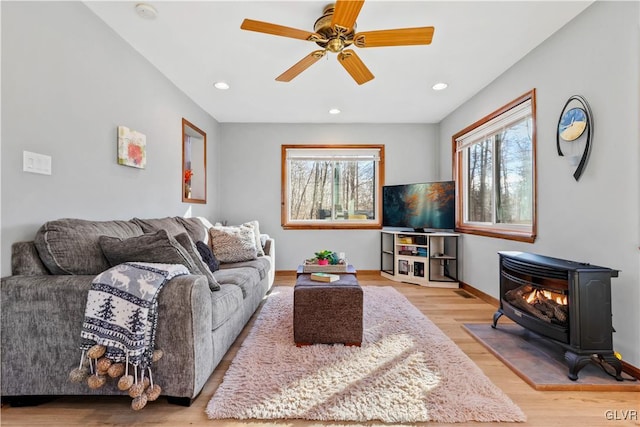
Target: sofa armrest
column 269, row 247
column 270, row 251
column 41, row 320
column 25, row 260
column 40, row 334
column 184, row 334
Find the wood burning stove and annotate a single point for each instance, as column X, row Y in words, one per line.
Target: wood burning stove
column 566, row 301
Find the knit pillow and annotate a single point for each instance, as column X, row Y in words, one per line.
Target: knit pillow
column 233, row 244
column 207, row 256
column 186, row 242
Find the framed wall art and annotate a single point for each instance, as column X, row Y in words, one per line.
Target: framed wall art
column 132, row 149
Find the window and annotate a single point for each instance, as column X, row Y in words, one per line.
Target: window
column 494, row 167
column 332, row 186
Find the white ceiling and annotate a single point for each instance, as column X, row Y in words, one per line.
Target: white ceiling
column 195, row 43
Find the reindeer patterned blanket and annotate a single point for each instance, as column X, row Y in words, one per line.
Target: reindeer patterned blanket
column 121, row 311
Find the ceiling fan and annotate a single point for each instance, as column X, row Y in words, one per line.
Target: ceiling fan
column 334, row 31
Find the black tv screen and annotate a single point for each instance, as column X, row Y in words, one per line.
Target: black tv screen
column 423, row 206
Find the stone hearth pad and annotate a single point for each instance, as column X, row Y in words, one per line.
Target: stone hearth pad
column 540, row 362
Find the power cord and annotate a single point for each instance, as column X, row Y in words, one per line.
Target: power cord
column 610, row 370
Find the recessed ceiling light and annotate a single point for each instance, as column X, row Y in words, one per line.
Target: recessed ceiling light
column 334, row 111
column 221, row 85
column 146, row 11
column 439, row 86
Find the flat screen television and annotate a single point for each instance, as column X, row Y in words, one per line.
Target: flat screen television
column 427, row 206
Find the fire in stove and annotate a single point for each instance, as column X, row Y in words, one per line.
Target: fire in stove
column 539, row 295
column 544, row 304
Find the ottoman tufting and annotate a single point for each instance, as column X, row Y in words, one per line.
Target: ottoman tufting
column 327, row 313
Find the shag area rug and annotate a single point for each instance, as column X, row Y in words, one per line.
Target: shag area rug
column 407, row 370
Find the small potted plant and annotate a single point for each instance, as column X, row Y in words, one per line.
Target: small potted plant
column 323, row 257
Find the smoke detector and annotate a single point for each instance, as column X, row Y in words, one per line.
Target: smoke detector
column 146, row 11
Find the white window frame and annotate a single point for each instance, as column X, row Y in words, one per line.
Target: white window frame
column 340, row 152
column 483, row 130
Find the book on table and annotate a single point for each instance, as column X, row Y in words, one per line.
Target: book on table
column 324, row 277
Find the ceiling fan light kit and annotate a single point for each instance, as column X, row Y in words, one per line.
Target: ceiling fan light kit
column 334, row 32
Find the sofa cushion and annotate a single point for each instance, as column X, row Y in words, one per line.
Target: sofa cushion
column 70, row 246
column 153, row 247
column 233, row 244
column 261, row 264
column 186, row 242
column 208, row 257
column 246, row 278
column 196, row 229
column 225, row 302
column 207, row 225
column 151, row 225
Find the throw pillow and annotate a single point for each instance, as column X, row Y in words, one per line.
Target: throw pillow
column 154, row 247
column 207, row 256
column 186, row 242
column 233, row 244
column 256, row 231
column 70, row 246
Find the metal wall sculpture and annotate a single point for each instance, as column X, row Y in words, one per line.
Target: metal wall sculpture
column 574, row 125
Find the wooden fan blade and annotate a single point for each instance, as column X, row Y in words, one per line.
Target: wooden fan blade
column 280, row 30
column 346, row 12
column 399, row 37
column 354, row 66
column 300, row 66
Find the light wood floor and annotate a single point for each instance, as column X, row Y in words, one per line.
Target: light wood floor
column 443, row 306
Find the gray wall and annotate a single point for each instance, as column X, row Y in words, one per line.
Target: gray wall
column 596, row 219
column 250, row 171
column 68, row 81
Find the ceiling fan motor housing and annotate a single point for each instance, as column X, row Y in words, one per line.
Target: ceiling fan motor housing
column 336, row 40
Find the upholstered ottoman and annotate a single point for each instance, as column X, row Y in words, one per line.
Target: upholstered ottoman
column 327, row 313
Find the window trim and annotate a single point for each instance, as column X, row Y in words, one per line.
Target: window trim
column 497, row 230
column 329, row 225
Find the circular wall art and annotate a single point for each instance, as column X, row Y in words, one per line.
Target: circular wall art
column 575, row 119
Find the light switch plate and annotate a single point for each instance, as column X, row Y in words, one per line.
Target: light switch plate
column 36, row 163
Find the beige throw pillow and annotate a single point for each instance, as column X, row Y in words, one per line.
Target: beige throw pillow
column 233, row 244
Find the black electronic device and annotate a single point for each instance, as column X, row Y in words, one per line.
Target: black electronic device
column 423, row 207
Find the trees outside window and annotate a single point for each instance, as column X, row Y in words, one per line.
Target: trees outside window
column 494, row 164
column 336, row 186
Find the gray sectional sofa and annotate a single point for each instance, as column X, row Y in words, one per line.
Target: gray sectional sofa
column 43, row 307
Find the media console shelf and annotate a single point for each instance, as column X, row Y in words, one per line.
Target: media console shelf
column 425, row 259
